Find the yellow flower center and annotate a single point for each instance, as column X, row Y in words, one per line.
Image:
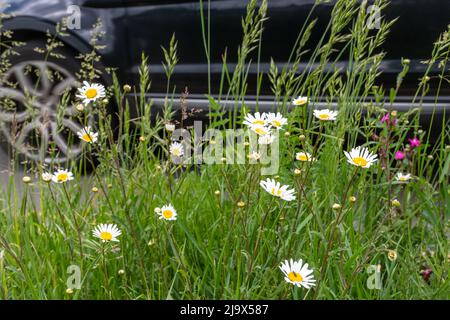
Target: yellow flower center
column 360, row 161
column 86, row 137
column 62, row 177
column 300, row 102
column 402, row 179
column 276, row 123
column 105, row 235
column 324, row 116
column 295, row 276
column 392, row 255
column 261, row 122
column 176, row 152
column 91, row 93
column 260, row 131
column 275, row 192
column 167, row 214
column 303, row 157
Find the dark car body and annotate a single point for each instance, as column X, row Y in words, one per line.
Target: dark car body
column 133, row 27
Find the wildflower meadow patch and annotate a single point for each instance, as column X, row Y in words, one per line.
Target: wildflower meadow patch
column 347, row 199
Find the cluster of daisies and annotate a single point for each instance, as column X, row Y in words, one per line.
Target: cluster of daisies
column 297, row 272
column 110, row 232
column 59, row 176
column 263, row 125
column 321, row 114
column 89, row 93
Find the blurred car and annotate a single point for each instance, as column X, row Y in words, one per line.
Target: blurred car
column 135, row 26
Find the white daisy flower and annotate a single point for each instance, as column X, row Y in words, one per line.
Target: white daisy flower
column 46, row 176
column 167, row 212
column 298, row 274
column 90, row 92
column 107, row 232
column 304, row 156
column 176, row 149
column 361, row 157
column 325, row 114
column 87, row 135
column 62, row 175
column 300, row 101
column 403, row 177
column 276, row 120
column 275, row 189
column 266, row 139
column 258, row 118
column 260, row 130
column 287, row 194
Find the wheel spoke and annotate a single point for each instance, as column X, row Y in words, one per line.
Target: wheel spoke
column 70, row 111
column 61, row 142
column 25, row 131
column 45, row 137
column 66, row 83
column 44, row 78
column 6, row 116
column 23, row 80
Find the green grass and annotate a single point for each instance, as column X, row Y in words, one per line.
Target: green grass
column 217, row 249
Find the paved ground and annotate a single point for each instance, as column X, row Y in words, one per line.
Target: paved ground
column 7, row 177
column 5, row 170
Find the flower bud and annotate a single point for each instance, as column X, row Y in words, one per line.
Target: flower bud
column 395, row 203
column 26, row 179
column 392, row 255
column 79, row 107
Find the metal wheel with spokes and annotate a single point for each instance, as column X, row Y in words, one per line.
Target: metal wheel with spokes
column 37, row 112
